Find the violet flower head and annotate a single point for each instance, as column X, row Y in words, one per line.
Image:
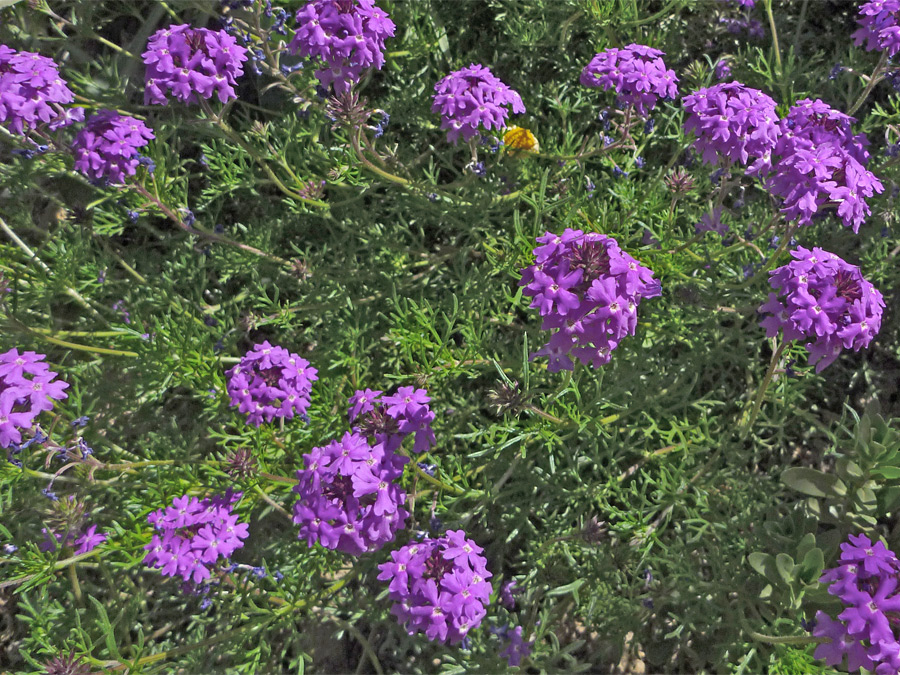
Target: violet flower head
column 193, row 535
column 390, row 419
column 349, row 499
column 879, row 22
column 439, row 586
column 472, row 98
column 825, row 300
column 821, row 165
column 187, row 63
column 588, row 291
column 866, row 583
column 32, row 93
column 516, row 647
column 733, row 122
column 107, row 147
column 271, row 382
column 27, row 388
column 637, row 73
column 345, row 36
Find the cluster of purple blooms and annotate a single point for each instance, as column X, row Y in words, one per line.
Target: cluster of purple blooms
column 271, row 382
column 107, row 147
column 83, row 541
column 636, row 73
column 32, row 93
column 390, row 419
column 193, row 534
column 473, row 97
column 27, row 388
column 439, row 586
column 349, row 499
column 822, row 163
column 515, row 648
column 735, row 122
column 879, row 22
column 188, row 63
column 347, row 36
column 866, row 582
column 824, row 300
column 588, row 290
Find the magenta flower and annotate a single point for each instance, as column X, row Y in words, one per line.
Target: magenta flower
column 390, row 419
column 32, row 93
column 89, row 540
column 27, row 388
column 271, row 382
column 472, row 98
column 636, row 73
column 345, row 36
column 825, row 300
column 443, row 596
column 588, row 290
column 188, row 63
column 879, row 22
column 107, row 147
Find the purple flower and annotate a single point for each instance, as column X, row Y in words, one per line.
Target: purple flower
column 188, row 63
column 825, row 300
column 443, row 596
column 712, row 222
column 107, row 146
column 271, row 382
column 516, row 647
column 472, row 98
column 636, row 73
column 32, row 93
column 588, row 290
column 349, row 499
column 89, row 540
column 734, row 122
column 27, row 388
column 821, row 164
column 193, row 534
column 346, row 36
column 879, row 22
column 390, row 419
column 508, row 593
column 722, row 69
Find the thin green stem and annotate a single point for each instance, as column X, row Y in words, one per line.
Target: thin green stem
column 775, row 44
column 873, row 80
column 750, row 418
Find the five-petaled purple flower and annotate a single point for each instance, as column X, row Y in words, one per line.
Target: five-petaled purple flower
column 473, row 98
column 32, row 93
column 107, row 146
column 636, row 73
column 879, row 22
column 188, row 63
column 271, row 382
column 866, row 582
column 825, row 300
column 588, row 290
column 390, row 419
column 27, row 388
column 439, row 586
column 346, row 36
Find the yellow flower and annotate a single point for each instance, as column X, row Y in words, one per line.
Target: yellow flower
column 517, row 138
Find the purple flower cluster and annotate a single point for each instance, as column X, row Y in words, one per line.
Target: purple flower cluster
column 822, row 164
column 439, row 586
column 473, row 97
column 271, row 382
column 32, row 92
column 879, row 22
column 107, row 146
column 825, row 300
column 866, row 582
column 588, row 289
column 516, row 648
column 192, row 534
column 189, row 62
column 82, row 541
column 347, row 35
column 636, row 72
column 390, row 419
column 734, row 122
column 349, row 498
column 27, row 387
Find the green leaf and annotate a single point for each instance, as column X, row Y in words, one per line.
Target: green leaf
column 810, row 568
column 813, row 483
column 785, row 565
column 765, row 565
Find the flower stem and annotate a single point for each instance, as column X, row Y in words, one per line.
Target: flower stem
column 748, row 420
column 873, row 80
